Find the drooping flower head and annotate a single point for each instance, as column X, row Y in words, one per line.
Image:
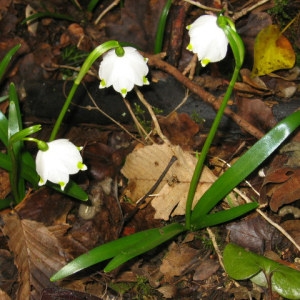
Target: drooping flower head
column 207, row 40
column 60, row 159
column 123, row 70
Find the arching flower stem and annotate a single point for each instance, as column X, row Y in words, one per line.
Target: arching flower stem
column 96, row 53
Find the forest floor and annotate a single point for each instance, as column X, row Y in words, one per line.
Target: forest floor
column 48, row 229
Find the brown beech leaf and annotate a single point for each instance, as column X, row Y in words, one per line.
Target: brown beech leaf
column 256, row 112
column 4, row 184
column 178, row 259
column 180, row 129
column 254, row 233
column 38, row 254
column 281, row 184
column 287, row 191
column 4, row 296
column 293, row 228
column 145, row 165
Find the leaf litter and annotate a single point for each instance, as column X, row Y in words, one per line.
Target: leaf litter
column 180, row 269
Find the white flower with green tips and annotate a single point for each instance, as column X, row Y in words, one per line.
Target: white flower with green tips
column 61, row 159
column 207, row 40
column 123, row 70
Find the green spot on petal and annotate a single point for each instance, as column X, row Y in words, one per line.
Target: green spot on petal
column 189, row 47
column 145, row 80
column 62, row 185
column 41, row 182
column 204, row 62
column 81, row 166
column 123, row 92
column 102, row 84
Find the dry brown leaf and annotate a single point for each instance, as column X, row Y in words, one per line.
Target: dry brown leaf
column 4, row 296
column 4, row 184
column 178, row 259
column 38, row 255
column 145, row 165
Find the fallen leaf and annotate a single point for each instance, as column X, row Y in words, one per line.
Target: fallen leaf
column 272, row 52
column 281, row 184
column 206, row 269
column 145, row 165
column 293, row 228
column 180, row 129
column 38, row 254
column 256, row 112
column 254, row 233
column 4, row 296
column 178, row 259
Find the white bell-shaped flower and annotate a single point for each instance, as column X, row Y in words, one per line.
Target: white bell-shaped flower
column 61, row 159
column 207, row 39
column 123, row 72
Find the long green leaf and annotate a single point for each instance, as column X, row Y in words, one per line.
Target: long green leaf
column 117, row 247
column 224, row 215
column 244, row 166
column 3, row 129
column 150, row 239
column 6, row 60
column 14, row 148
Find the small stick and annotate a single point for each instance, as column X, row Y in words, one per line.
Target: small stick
column 155, row 60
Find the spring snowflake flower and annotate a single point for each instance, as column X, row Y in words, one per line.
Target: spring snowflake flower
column 123, row 71
column 61, row 159
column 207, row 40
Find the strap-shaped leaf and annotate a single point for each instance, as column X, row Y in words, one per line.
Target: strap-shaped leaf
column 6, row 60
column 123, row 249
column 3, row 129
column 244, row 166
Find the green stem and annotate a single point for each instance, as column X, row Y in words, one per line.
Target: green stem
column 205, row 149
column 14, row 175
column 96, row 53
column 161, row 27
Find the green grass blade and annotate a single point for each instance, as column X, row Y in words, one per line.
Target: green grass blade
column 245, row 165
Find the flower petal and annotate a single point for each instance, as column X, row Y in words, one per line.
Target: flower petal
column 58, row 162
column 123, row 72
column 207, row 39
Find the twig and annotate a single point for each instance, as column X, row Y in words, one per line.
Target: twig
column 155, row 60
column 111, row 6
column 108, row 116
column 151, row 190
column 152, row 114
column 204, row 7
column 278, row 227
column 247, row 200
column 185, row 98
column 215, row 244
column 139, row 127
column 246, row 10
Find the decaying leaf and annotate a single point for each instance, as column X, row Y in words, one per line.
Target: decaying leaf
column 180, row 129
column 287, row 187
column 178, row 259
column 254, row 233
column 272, row 52
column 38, row 255
column 144, row 166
